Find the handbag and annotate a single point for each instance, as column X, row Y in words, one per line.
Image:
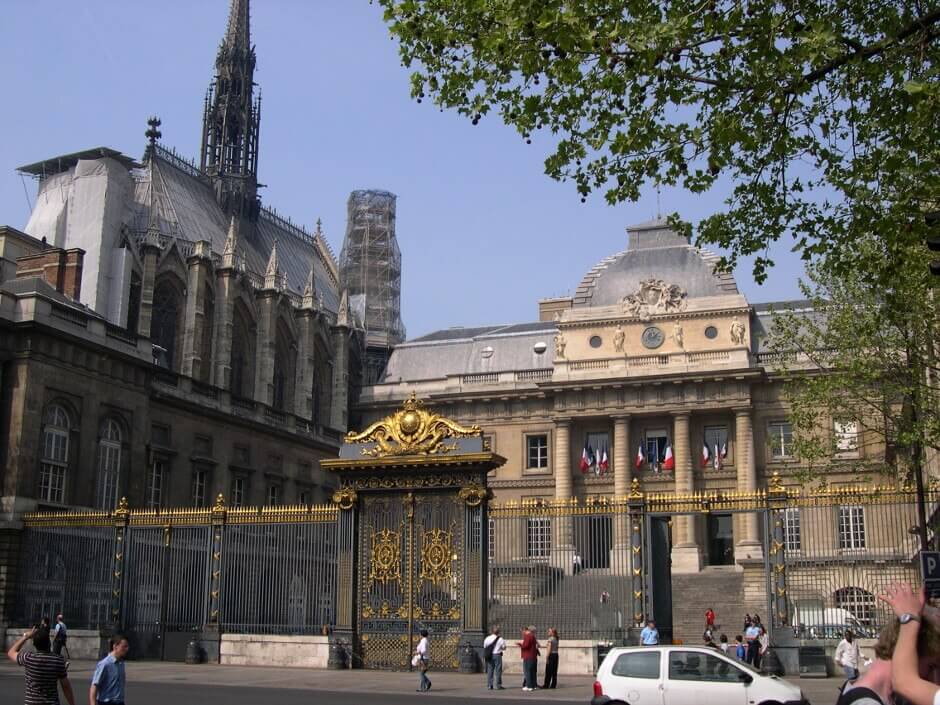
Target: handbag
column 415, row 660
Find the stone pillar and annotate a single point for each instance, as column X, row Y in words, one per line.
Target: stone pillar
column 194, row 318
column 306, row 363
column 150, row 252
column 686, row 553
column 563, row 549
column 339, row 407
column 748, row 545
column 264, row 356
column 224, row 321
column 620, row 559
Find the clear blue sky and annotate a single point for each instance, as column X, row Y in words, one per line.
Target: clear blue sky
column 483, row 232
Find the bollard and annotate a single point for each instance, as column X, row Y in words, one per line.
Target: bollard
column 193, row 651
column 337, row 660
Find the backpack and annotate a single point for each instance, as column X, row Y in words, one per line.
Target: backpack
column 741, row 652
column 857, row 694
column 488, row 651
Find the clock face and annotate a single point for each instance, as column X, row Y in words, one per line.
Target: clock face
column 652, row 337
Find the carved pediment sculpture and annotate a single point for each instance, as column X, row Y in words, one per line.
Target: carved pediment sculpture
column 412, row 430
column 654, row 296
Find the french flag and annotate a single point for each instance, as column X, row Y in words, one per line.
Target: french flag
column 603, row 463
column 706, row 455
column 669, row 462
column 587, row 458
column 640, row 458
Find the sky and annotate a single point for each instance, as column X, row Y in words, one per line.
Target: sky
column 484, row 234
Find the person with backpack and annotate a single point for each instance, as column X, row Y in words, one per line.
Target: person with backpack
column 59, row 635
column 740, row 651
column 493, row 647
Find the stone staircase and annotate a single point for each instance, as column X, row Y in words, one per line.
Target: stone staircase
column 722, row 589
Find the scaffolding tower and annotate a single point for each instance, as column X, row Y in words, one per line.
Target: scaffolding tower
column 370, row 270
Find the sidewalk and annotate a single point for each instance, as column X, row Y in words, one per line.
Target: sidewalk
column 820, row 691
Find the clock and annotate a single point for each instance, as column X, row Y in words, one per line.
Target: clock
column 652, row 338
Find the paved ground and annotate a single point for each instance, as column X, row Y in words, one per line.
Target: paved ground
column 153, row 683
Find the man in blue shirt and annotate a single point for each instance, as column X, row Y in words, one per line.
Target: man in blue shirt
column 751, row 636
column 107, row 685
column 650, row 634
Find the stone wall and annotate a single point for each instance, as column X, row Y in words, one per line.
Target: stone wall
column 274, row 650
column 576, row 657
column 83, row 644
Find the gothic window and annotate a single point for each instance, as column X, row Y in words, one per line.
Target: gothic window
column 109, row 464
column 243, row 359
column 285, row 353
column 164, row 322
column 133, row 303
column 53, row 466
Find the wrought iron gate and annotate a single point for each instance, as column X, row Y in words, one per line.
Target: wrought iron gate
column 412, row 559
column 166, row 599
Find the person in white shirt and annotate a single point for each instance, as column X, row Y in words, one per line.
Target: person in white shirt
column 848, row 656
column 421, row 656
column 494, row 664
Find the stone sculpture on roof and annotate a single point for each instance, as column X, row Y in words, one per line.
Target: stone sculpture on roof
column 654, row 296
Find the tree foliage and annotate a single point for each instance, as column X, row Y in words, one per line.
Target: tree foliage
column 864, row 355
column 823, row 114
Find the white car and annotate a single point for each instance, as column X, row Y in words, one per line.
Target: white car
column 686, row 675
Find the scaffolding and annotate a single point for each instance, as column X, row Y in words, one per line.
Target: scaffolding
column 370, row 270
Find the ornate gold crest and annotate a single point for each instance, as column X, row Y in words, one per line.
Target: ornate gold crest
column 345, row 498
column 473, row 494
column 436, row 556
column 385, row 565
column 413, row 430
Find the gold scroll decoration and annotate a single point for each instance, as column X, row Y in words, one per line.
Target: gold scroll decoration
column 385, row 565
column 436, row 556
column 345, row 498
column 473, row 494
column 412, row 430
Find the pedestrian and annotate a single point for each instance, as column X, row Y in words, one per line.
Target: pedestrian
column 605, row 597
column 650, row 634
column 848, row 656
column 577, row 563
column 747, row 622
column 45, row 671
column 495, row 645
column 420, row 660
column 59, row 635
column 710, row 618
column 551, row 659
column 723, row 644
column 107, row 683
column 529, row 648
column 740, row 650
column 751, row 635
column 763, row 645
column 917, row 645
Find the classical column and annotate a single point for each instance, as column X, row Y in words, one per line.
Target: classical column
column 748, row 544
column 620, row 560
column 686, row 554
column 563, row 549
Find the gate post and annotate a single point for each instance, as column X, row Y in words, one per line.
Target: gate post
column 347, row 541
column 473, row 619
column 121, row 518
column 776, row 504
column 637, row 510
column 212, row 630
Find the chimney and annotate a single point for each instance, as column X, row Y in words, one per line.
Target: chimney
column 59, row 268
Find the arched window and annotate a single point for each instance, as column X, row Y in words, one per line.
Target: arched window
column 164, row 321
column 285, row 355
column 54, row 463
column 860, row 603
column 205, row 346
column 109, row 464
column 243, row 353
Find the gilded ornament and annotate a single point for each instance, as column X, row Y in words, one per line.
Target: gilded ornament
column 473, row 495
column 123, row 510
column 385, row 563
column 345, row 498
column 436, row 555
column 412, row 430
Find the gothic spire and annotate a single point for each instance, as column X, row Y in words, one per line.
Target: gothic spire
column 310, row 291
column 272, row 274
column 230, row 250
column 231, row 120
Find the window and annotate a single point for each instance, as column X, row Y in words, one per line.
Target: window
column 694, row 666
column 851, row 528
column 160, row 435
column 656, row 442
column 55, row 455
column 274, row 494
column 860, row 603
column 303, row 497
column 237, row 495
column 792, row 538
column 538, row 537
column 536, row 451
column 155, row 483
column 716, row 438
column 163, row 322
column 599, row 442
column 109, row 464
column 637, row 665
column 241, row 455
column 200, row 487
column 780, row 439
column 846, row 438
column 489, row 442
